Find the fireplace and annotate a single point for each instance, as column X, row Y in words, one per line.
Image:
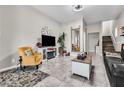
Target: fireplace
column 51, row 54
column 48, row 53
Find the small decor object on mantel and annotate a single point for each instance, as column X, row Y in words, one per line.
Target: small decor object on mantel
column 39, row 45
column 82, row 56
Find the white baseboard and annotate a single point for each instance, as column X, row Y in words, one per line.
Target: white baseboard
column 8, row 68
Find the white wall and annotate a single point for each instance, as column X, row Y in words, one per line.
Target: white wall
column 119, row 39
column 120, row 22
column 112, row 28
column 96, row 27
column 21, row 26
column 106, row 27
column 67, row 29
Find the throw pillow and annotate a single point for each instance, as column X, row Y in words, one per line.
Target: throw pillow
column 28, row 52
column 109, row 54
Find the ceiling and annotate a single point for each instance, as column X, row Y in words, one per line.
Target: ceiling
column 91, row 13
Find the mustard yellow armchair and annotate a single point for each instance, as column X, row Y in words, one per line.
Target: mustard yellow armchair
column 33, row 60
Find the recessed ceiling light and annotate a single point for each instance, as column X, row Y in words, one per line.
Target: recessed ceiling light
column 77, row 8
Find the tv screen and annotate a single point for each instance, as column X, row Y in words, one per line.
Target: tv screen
column 48, row 40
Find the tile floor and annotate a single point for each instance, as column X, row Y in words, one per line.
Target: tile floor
column 60, row 74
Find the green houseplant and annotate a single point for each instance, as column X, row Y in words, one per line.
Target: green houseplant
column 61, row 41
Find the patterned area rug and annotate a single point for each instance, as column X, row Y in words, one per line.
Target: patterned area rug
column 18, row 78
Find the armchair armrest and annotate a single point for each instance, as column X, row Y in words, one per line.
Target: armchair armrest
column 38, row 55
column 118, row 70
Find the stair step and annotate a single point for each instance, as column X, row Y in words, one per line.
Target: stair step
column 108, row 44
column 107, row 41
column 108, row 48
column 109, row 51
column 106, row 38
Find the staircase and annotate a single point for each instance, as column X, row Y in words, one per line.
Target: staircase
column 107, row 44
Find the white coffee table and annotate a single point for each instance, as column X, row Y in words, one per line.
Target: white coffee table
column 82, row 67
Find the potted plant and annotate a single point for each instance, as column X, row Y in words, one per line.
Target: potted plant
column 61, row 41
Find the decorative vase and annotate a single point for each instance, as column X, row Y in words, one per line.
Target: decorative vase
column 39, row 45
column 60, row 51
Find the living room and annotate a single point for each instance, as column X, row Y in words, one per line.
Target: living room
column 60, row 39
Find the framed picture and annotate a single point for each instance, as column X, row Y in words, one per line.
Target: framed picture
column 45, row 30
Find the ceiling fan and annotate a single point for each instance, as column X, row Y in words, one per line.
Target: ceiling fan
column 77, row 8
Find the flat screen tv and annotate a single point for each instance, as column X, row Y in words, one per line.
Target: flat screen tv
column 48, row 41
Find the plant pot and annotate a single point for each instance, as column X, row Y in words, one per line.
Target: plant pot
column 60, row 51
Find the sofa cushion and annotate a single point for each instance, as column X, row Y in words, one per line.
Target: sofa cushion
column 109, row 54
column 112, row 60
column 118, row 70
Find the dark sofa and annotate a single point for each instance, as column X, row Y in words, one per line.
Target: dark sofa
column 115, row 70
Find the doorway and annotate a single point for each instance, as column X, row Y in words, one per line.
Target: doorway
column 93, row 41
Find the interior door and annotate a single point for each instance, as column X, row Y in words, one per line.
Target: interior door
column 93, row 39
